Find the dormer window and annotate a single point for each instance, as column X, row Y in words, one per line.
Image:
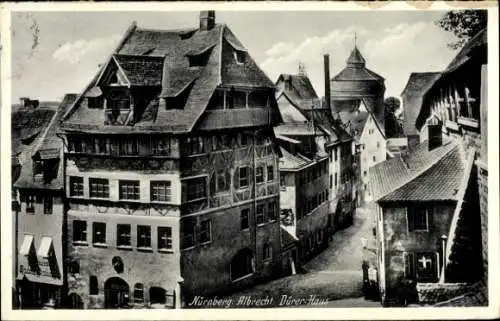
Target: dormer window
column 199, row 59
column 240, row 56
column 118, row 100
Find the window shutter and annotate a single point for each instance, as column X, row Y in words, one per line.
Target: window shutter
column 236, row 178
column 410, row 216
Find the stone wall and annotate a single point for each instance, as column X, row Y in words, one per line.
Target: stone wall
column 483, row 201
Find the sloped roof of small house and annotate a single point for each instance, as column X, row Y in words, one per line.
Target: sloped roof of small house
column 289, row 161
column 301, row 90
column 418, row 83
column 142, row 47
column 47, row 146
column 422, row 175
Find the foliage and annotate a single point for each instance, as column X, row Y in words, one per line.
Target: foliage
column 393, row 127
column 464, row 24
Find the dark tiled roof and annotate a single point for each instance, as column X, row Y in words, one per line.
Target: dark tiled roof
column 351, row 73
column 476, row 295
column 464, row 54
column 299, row 129
column 177, row 76
column 289, row 161
column 301, row 87
column 141, row 70
column 418, row 83
column 390, row 178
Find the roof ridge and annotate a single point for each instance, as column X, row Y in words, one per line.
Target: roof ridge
column 425, row 169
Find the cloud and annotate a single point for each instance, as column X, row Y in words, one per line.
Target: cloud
column 392, row 52
column 74, row 52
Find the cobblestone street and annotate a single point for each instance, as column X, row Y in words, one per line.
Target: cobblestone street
column 334, row 274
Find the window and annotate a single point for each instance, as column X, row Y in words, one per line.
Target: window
column 206, row 231
column 143, row 236
column 123, row 231
column 243, row 176
column 160, row 146
column 282, row 181
column 129, row 190
column 418, row 218
column 138, row 293
column 199, row 60
column 30, row 203
column 271, row 211
column 259, row 215
column 259, row 175
column 161, row 191
column 99, row 233
column 93, row 285
column 336, row 153
column 222, row 180
column 240, row 56
column 267, row 252
column 80, row 231
column 378, row 144
column 241, row 264
column 188, row 233
column 374, row 158
column 164, row 238
column 270, row 173
column 244, row 218
column 75, row 186
column 195, row 189
column 99, row 187
column 118, row 100
column 243, row 140
column 194, row 145
column 129, row 146
column 421, row 266
column 236, row 99
column 331, row 181
column 74, row 267
column 336, row 179
column 364, row 173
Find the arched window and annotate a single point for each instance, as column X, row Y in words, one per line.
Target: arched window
column 242, row 264
column 138, row 293
column 157, row 295
column 93, row 285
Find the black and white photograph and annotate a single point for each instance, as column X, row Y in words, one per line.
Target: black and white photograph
column 215, row 158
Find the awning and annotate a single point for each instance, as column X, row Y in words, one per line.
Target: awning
column 45, row 245
column 26, row 245
column 93, row 92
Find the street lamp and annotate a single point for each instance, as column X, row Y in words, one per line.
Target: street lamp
column 443, row 244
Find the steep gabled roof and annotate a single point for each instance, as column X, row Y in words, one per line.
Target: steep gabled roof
column 300, row 88
column 289, row 161
column 165, row 59
column 422, row 175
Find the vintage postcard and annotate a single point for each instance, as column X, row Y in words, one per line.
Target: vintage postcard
column 315, row 160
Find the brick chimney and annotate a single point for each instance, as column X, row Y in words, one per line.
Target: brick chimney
column 207, row 20
column 435, row 135
column 328, row 95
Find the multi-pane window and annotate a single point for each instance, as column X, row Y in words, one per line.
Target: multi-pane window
column 99, row 233
column 206, row 231
column 243, row 175
column 222, row 180
column 123, row 235
column 75, row 186
column 129, row 146
column 161, row 191
column 195, row 189
column 271, row 211
column 244, row 218
column 143, row 236
column 259, row 214
column 129, row 190
column 160, row 146
column 194, row 145
column 418, row 218
column 270, row 173
column 30, row 203
column 79, row 231
column 267, row 252
column 164, row 238
column 99, row 187
column 259, row 175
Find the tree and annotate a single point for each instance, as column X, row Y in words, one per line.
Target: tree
column 393, row 127
column 464, row 24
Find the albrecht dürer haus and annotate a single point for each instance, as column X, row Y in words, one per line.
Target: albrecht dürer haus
column 170, row 171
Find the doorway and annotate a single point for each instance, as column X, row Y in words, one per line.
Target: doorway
column 116, row 293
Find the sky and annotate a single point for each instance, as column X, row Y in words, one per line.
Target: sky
column 54, row 53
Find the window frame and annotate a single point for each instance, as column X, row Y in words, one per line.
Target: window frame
column 144, row 235
column 245, row 217
column 201, row 185
column 80, row 234
column 267, row 252
column 270, row 173
column 122, row 235
column 128, row 188
column 259, row 175
column 205, row 232
column 413, row 211
column 159, row 187
column 259, row 214
column 102, row 193
column 79, row 190
column 98, row 240
column 30, row 202
column 165, row 244
column 244, row 178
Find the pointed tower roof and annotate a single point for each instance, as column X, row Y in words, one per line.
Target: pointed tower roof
column 356, row 58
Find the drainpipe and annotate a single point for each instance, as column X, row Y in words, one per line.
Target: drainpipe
column 443, row 239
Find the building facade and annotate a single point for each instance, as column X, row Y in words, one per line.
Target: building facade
column 40, row 221
column 171, row 172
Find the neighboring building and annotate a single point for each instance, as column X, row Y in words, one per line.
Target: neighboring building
column 40, row 220
column 412, row 96
column 427, row 209
column 357, row 82
column 172, row 171
column 370, row 143
column 458, row 100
